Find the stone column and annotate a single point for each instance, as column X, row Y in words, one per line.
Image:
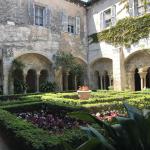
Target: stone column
column 24, row 82
column 38, row 82
column 119, row 77
column 5, row 82
column 110, row 79
column 143, row 79
column 130, row 81
column 101, row 78
column 104, row 82
column 59, row 78
column 7, row 58
column 67, row 74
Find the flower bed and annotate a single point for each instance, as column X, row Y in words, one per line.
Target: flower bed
column 108, row 115
column 55, row 121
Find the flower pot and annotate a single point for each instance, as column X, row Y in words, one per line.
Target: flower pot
column 84, row 95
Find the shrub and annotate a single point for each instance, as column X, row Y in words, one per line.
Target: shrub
column 30, row 137
column 132, row 132
column 48, row 87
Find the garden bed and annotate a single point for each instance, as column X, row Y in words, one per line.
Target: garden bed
column 32, row 136
column 53, row 119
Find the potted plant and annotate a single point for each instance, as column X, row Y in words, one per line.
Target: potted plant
column 84, row 92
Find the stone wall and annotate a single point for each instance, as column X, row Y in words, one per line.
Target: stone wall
column 19, row 36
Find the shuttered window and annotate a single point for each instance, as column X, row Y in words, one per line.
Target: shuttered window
column 71, row 24
column 108, row 17
column 39, row 15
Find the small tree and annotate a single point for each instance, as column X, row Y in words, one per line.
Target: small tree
column 64, row 60
column 77, row 70
column 68, row 63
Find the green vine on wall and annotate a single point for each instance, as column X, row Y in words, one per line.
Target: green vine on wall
column 126, row 32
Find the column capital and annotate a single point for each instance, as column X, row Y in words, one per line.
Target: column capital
column 143, row 74
column 38, row 73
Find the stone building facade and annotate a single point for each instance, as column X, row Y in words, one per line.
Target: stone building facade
column 126, row 68
column 33, row 31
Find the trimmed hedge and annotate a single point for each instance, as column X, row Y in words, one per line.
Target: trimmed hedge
column 32, row 137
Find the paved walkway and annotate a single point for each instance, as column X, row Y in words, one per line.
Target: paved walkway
column 3, row 145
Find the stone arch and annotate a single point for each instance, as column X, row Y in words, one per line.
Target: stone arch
column 40, row 53
column 36, row 62
column 136, row 66
column 71, row 81
column 138, row 59
column 104, row 67
column 84, row 61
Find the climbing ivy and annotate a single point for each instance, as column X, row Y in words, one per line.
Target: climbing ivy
column 126, row 32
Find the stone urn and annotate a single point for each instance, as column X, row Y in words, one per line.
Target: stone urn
column 84, row 93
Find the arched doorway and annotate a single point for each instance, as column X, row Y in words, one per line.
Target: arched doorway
column 104, row 67
column 71, row 81
column 43, row 79
column 18, row 81
column 148, row 78
column 37, row 62
column 137, row 80
column 136, row 62
column 97, row 80
column 1, row 74
column 64, row 81
column 106, row 81
column 31, row 81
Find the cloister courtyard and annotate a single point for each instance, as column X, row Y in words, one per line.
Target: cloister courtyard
column 74, row 74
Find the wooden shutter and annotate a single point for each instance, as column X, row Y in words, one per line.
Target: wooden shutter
column 78, row 25
column 64, row 22
column 31, row 12
column 135, row 8
column 101, row 21
column 47, row 17
column 131, row 7
column 113, row 13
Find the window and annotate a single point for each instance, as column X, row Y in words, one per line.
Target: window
column 39, row 15
column 70, row 28
column 107, row 18
column 71, row 25
column 143, row 6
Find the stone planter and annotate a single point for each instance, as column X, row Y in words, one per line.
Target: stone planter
column 84, row 95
